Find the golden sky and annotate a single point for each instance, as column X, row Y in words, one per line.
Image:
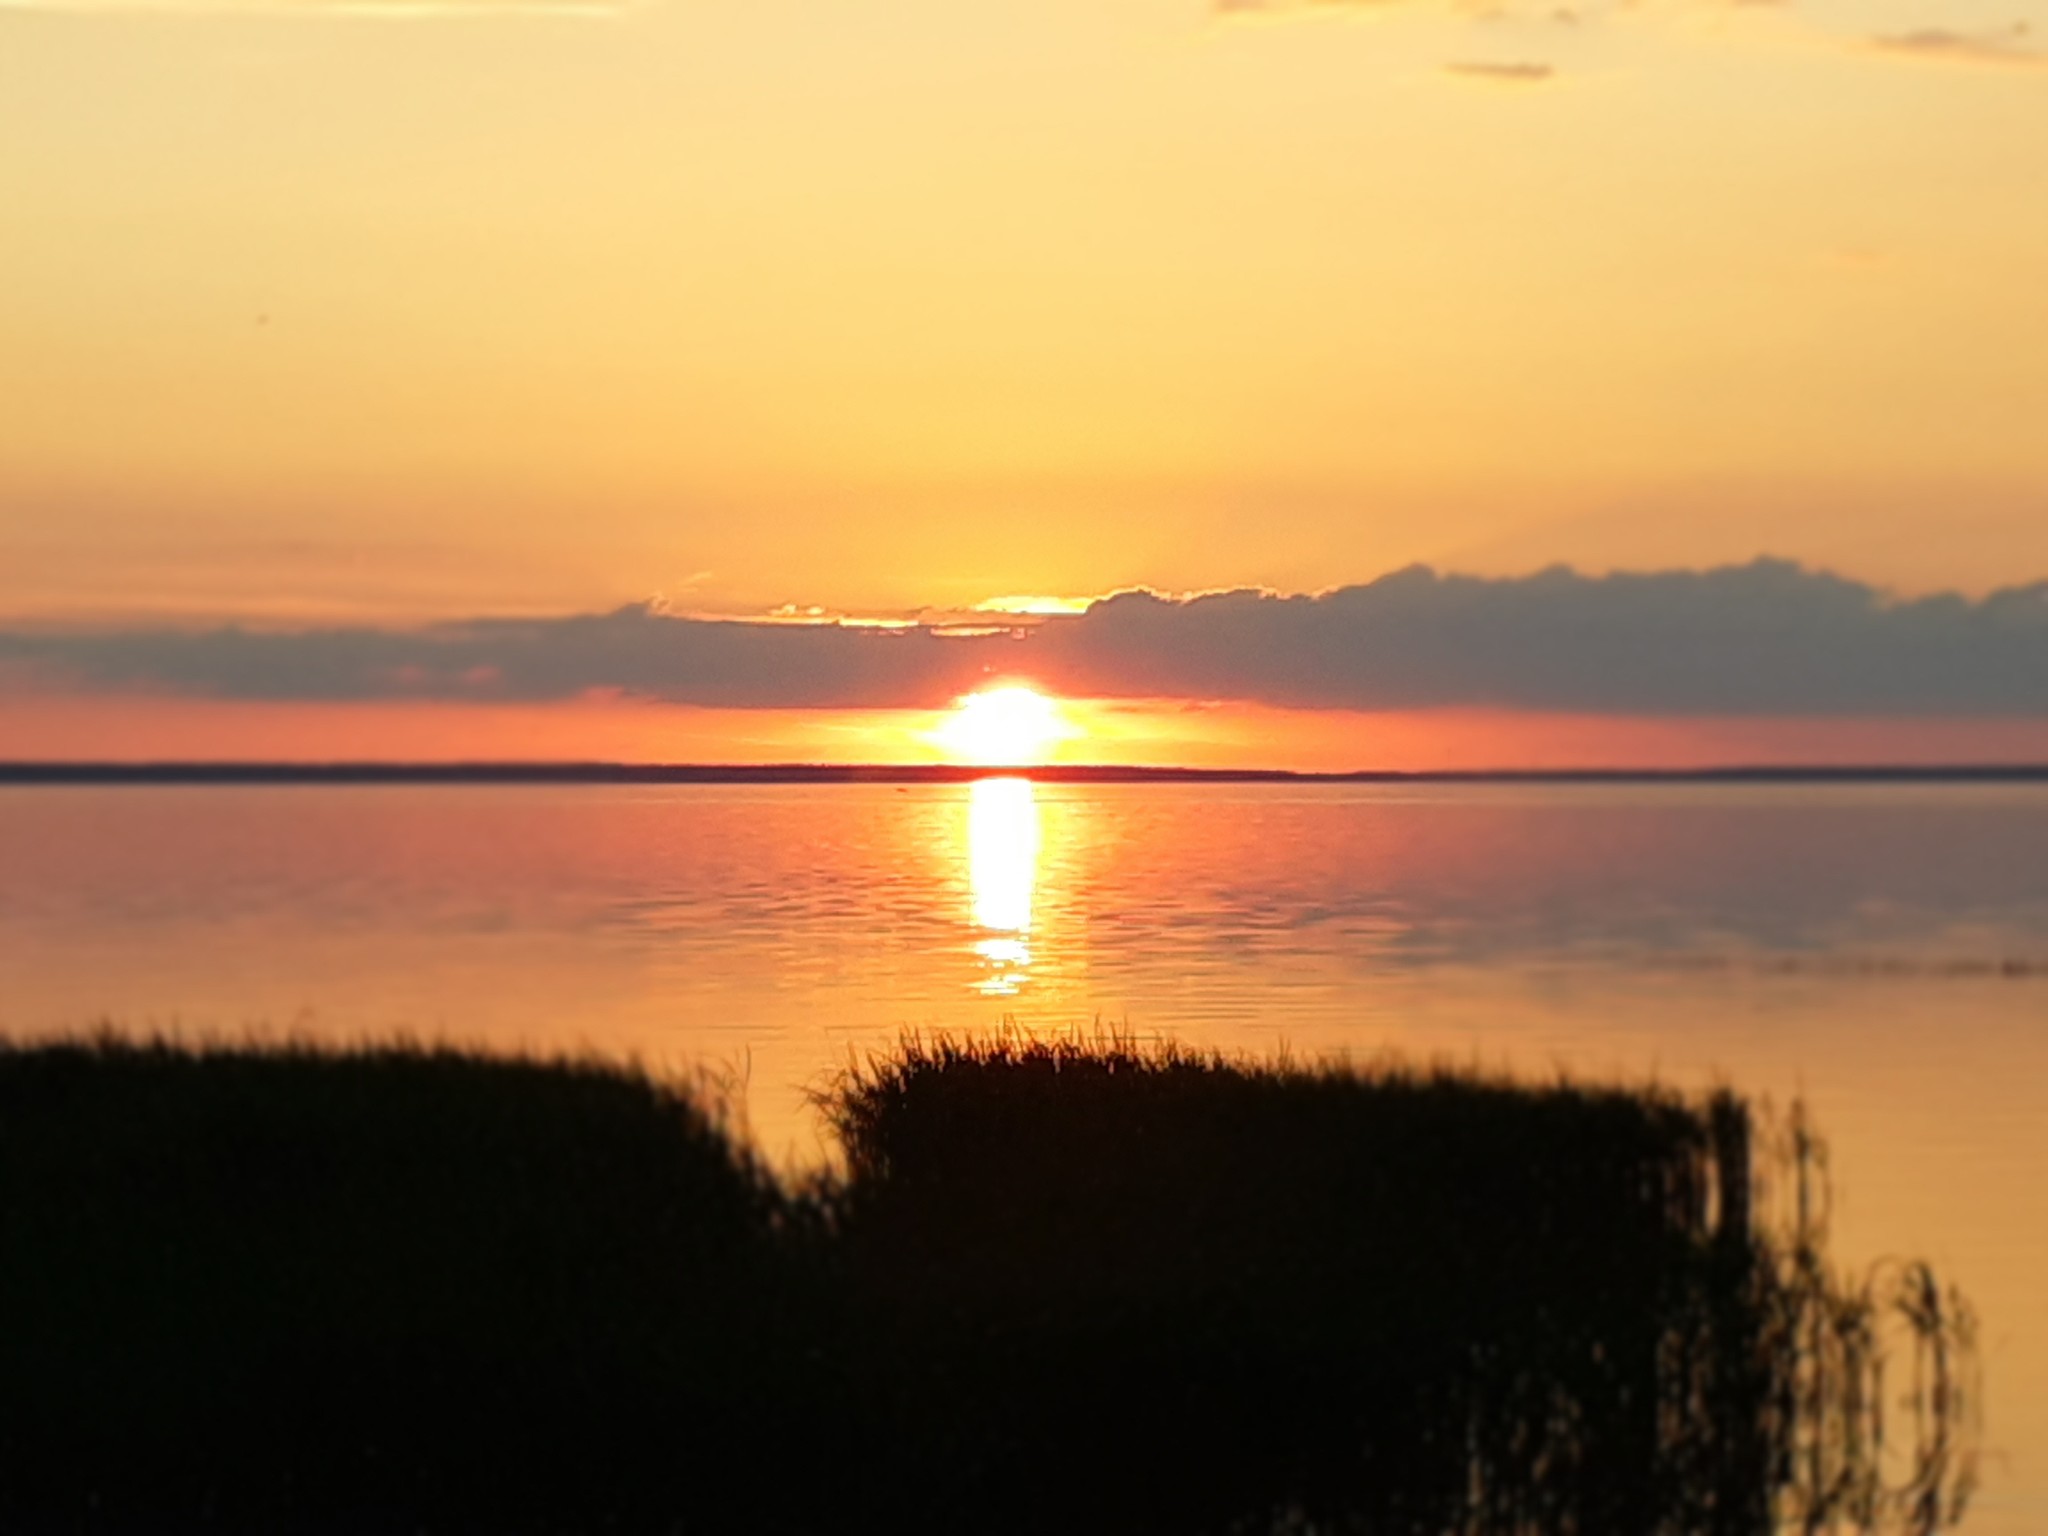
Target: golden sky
column 325, row 312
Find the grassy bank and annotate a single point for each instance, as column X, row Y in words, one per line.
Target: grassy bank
column 1057, row 1286
column 369, row 1291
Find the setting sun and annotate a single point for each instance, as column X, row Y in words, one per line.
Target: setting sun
column 1009, row 726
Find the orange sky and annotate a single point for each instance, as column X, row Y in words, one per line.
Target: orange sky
column 353, row 311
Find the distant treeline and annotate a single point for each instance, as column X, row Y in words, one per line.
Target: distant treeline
column 1049, row 1286
column 83, row 773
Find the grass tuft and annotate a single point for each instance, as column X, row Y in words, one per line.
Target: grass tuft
column 1069, row 1283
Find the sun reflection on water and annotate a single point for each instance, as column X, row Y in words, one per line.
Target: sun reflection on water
column 1002, row 868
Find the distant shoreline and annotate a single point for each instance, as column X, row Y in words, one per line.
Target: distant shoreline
column 486, row 773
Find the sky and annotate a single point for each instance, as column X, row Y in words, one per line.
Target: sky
column 482, row 378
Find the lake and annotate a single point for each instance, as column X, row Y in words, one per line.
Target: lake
column 1880, row 951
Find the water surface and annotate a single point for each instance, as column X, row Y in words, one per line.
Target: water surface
column 1881, row 950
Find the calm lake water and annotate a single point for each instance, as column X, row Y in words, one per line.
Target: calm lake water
column 1880, row 951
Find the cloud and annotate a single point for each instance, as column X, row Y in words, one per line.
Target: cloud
column 1543, row 25
column 640, row 651
column 1764, row 639
column 1503, row 74
column 2004, row 45
column 1767, row 638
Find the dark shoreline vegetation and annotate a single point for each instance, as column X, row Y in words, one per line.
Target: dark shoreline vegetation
column 1065, row 1285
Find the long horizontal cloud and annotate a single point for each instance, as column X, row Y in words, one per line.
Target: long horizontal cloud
column 1767, row 638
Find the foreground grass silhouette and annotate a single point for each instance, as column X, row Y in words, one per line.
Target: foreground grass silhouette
column 1056, row 1286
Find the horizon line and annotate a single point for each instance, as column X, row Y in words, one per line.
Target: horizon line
column 569, row 771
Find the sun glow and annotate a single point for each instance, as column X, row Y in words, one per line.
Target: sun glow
column 1011, row 726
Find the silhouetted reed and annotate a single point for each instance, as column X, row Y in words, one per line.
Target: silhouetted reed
column 1383, row 1300
column 1064, row 1285
column 380, row 1290
column 1862, row 1448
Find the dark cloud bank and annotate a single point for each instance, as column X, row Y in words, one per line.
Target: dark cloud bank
column 1769, row 638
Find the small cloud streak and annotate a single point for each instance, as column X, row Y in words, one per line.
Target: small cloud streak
column 1503, row 74
column 2005, row 45
column 1768, row 639
column 2014, row 44
column 1034, row 603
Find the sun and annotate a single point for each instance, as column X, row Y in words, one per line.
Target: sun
column 1011, row 727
